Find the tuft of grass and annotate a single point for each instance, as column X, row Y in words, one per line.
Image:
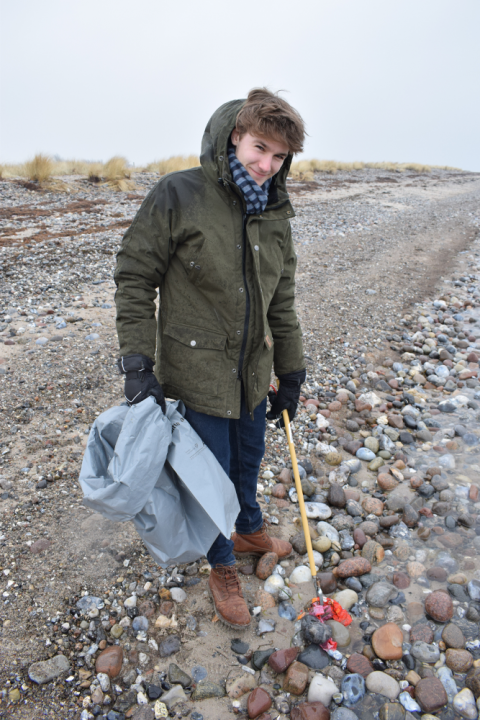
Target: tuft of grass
column 304, row 169
column 40, row 168
column 117, row 174
column 172, row 164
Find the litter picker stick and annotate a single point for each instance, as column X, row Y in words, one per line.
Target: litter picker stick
column 303, row 514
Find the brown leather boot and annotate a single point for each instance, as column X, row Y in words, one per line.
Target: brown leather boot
column 259, row 543
column 227, row 597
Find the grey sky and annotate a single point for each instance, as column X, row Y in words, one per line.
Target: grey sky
column 374, row 79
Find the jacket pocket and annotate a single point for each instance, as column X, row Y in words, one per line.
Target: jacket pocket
column 191, row 358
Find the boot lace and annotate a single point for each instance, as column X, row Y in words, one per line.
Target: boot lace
column 232, row 583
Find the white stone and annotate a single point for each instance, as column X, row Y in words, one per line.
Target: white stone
column 317, row 510
column 178, row 594
column 346, row 598
column 383, row 684
column 464, row 704
column 324, row 528
column 131, row 601
column 317, row 559
column 322, row 422
column 321, row 690
column 104, row 681
column 371, row 398
column 274, row 584
column 301, row 574
column 268, row 475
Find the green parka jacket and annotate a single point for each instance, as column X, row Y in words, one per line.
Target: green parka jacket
column 225, row 279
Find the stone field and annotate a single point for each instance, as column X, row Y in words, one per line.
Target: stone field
column 387, row 435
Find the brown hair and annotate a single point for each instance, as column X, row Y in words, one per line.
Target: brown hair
column 268, row 115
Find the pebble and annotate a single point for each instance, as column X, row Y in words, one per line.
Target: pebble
column 296, row 678
column 205, row 689
column 301, row 574
column 439, row 606
column 387, row 642
column 464, row 704
column 46, row 670
column 383, row 684
column 430, row 694
column 322, row 690
column 353, row 689
column 459, row 661
column 315, row 631
column 314, row 657
column 110, row 661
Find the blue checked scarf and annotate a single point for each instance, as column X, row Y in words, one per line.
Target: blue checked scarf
column 256, row 197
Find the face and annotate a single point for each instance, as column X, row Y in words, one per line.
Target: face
column 261, row 157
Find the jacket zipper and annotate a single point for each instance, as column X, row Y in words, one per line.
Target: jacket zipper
column 247, row 301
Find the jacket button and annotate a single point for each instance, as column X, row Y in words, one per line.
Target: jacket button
column 220, row 157
column 233, row 370
column 229, row 412
column 193, row 343
column 240, row 289
column 239, row 247
column 257, row 248
column 238, row 332
column 192, row 264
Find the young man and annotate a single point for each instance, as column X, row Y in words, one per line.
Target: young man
column 216, row 241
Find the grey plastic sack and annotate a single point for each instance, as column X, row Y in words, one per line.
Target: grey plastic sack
column 154, row 469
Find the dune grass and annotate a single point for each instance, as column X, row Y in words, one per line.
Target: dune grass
column 117, row 174
column 305, row 169
column 172, row 164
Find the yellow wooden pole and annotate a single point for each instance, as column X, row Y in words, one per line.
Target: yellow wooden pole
column 301, row 502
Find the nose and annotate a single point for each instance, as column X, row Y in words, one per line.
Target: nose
column 265, row 164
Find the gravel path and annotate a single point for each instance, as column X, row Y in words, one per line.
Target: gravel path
column 370, row 245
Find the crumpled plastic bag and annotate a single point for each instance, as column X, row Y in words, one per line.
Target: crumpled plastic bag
column 154, row 470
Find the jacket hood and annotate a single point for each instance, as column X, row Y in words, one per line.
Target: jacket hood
column 214, row 154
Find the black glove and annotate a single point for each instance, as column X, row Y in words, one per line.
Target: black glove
column 140, row 382
column 287, row 396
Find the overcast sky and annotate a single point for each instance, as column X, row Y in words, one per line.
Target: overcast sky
column 374, row 79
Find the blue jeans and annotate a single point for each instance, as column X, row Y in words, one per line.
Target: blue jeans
column 239, row 446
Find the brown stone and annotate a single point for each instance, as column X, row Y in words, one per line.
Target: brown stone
column 352, row 446
column 439, row 606
column 359, row 537
column 335, row 406
column 401, row 580
column 351, row 494
column 285, row 477
column 146, row 608
column 279, row 491
column 164, row 594
column 39, row 546
column 265, row 565
column 258, row 702
column 265, row 599
column 453, row 637
column 387, row 642
column 373, row 506
column 352, row 568
column 361, row 405
column 166, row 608
column 413, row 678
column 459, row 661
column 357, row 663
column 437, row 573
column 431, row 471
column 472, row 681
column 373, row 552
column 369, row 527
column 110, row 661
column 336, row 496
column 415, row 482
column 328, row 582
column 280, row 660
column 395, row 421
column 473, row 493
column 386, row 481
column 415, row 612
column 389, row 520
column 430, row 694
column 246, row 569
column 296, row 678
column 421, row 633
column 451, row 540
column 310, row 711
